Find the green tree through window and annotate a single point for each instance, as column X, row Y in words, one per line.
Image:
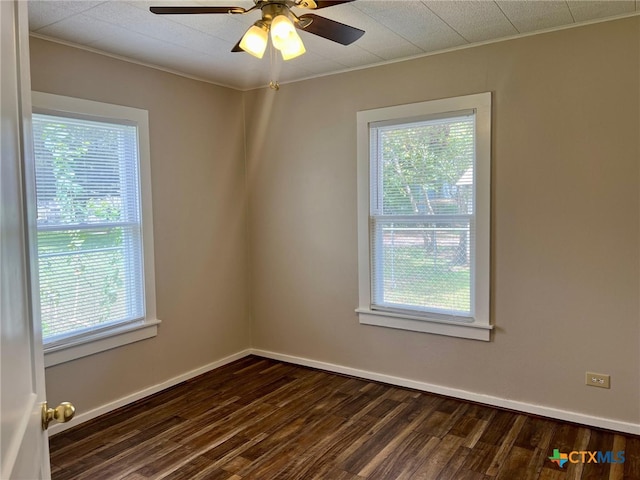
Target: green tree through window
column 422, row 229
column 88, row 224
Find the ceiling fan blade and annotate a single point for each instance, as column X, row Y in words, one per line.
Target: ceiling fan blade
column 237, row 48
column 331, row 30
column 191, row 10
column 315, row 4
column 330, row 3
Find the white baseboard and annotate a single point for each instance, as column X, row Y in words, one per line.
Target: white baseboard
column 524, row 407
column 541, row 410
column 121, row 402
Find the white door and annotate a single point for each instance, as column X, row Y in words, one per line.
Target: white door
column 24, row 450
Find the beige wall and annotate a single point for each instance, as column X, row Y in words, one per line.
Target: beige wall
column 565, row 219
column 197, row 169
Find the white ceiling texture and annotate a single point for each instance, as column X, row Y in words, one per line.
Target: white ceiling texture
column 199, row 45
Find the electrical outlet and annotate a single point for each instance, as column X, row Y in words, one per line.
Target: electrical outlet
column 598, row 380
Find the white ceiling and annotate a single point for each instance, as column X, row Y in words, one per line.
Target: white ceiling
column 199, row 45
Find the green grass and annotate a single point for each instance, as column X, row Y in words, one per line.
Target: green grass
column 81, row 279
column 416, row 276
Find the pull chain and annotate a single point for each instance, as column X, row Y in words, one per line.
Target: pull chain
column 273, row 84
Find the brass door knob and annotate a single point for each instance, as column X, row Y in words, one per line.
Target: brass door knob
column 62, row 413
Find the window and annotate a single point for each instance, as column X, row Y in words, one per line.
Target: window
column 423, row 214
column 94, row 230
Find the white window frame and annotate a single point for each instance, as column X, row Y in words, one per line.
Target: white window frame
column 101, row 339
column 477, row 327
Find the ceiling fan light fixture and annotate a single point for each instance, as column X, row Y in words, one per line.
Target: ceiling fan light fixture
column 282, row 31
column 255, row 40
column 279, row 19
column 293, row 47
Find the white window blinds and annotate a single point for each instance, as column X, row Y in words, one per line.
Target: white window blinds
column 89, row 224
column 422, row 226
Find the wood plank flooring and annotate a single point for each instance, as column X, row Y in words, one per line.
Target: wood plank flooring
column 267, row 420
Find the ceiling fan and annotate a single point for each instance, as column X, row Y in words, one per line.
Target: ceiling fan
column 281, row 22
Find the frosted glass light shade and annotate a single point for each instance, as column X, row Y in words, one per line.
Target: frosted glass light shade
column 293, row 47
column 282, row 30
column 255, row 41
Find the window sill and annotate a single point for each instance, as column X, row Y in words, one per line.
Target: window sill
column 99, row 342
column 419, row 324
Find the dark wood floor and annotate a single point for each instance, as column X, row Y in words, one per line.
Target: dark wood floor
column 268, row 420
